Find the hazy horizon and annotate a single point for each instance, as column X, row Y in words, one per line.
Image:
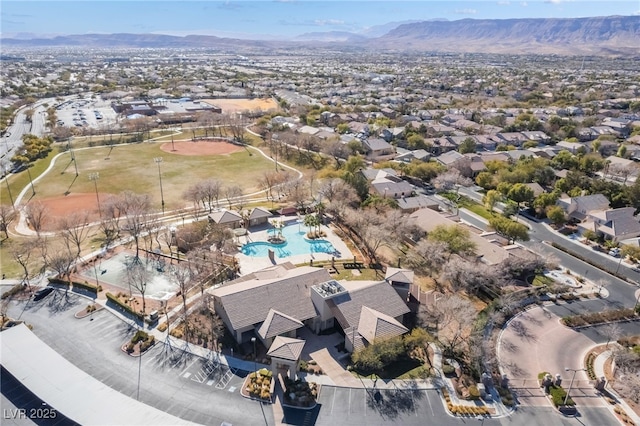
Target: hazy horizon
column 270, row 19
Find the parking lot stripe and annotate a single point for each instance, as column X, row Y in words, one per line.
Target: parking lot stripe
column 429, row 401
column 333, row 401
column 196, row 359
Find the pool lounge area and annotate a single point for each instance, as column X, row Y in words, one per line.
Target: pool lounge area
column 254, row 253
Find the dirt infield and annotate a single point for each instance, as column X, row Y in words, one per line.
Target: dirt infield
column 234, row 105
column 200, row 147
column 59, row 207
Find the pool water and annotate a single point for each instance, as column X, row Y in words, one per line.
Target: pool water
column 296, row 244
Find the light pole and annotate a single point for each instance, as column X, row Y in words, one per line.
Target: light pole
column 158, row 160
column 93, row 177
column 255, row 354
column 575, row 370
column 635, row 307
column 6, row 181
column 33, row 190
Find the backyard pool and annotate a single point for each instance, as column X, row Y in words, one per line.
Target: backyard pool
column 295, row 244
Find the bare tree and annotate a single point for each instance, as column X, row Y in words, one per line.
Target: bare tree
column 183, row 276
column 234, row 193
column 137, row 208
column 74, row 229
column 8, row 214
column 427, row 257
column 612, row 331
column 62, row 262
column 470, row 276
column 138, row 276
column 23, row 253
column 268, row 181
column 36, row 213
column 452, row 316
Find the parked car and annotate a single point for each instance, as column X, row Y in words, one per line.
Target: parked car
column 42, row 293
column 615, row 252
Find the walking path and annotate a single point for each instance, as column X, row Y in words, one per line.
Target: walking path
column 598, row 369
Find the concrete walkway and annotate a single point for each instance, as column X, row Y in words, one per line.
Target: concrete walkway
column 598, row 369
column 333, row 369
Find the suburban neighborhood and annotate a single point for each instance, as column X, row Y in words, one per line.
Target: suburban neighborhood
column 294, row 236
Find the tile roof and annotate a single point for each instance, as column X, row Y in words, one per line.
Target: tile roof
column 399, row 275
column 286, row 348
column 376, row 325
column 225, row 216
column 277, row 323
column 379, row 296
column 248, row 300
column 259, row 213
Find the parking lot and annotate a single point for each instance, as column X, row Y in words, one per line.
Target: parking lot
column 171, row 379
column 85, row 113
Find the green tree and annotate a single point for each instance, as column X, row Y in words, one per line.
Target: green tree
column 556, row 215
column 485, row 180
column 509, row 228
column 456, row 238
column 520, row 193
column 415, row 141
column 467, row 146
column 491, row 198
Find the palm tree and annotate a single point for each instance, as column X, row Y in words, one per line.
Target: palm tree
column 311, row 220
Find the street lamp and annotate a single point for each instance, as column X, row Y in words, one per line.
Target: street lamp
column 575, row 370
column 158, row 160
column 33, row 190
column 255, row 354
column 93, row 177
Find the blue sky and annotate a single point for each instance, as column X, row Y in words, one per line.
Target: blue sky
column 272, row 18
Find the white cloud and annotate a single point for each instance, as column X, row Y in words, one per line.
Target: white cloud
column 323, row 22
column 466, row 11
column 504, row 3
column 524, row 4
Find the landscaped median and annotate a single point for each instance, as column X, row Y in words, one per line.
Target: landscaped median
column 259, row 385
column 76, row 285
column 556, row 393
column 595, row 318
column 123, row 306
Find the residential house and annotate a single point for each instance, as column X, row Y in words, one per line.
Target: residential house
column 579, row 208
column 388, row 186
column 613, row 224
column 420, row 201
column 537, row 136
column 488, row 250
column 448, row 158
column 378, row 149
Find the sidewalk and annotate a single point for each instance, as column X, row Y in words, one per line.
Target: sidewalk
column 598, row 369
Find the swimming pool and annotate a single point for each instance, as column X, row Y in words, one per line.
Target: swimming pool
column 296, row 244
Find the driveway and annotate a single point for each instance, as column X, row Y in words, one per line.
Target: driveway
column 536, row 341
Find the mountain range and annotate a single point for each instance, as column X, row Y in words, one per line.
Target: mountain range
column 604, row 36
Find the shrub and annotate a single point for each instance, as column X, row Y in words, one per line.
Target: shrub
column 163, row 327
column 474, row 393
column 558, row 394
column 124, row 306
column 13, row 291
column 139, row 336
column 448, row 369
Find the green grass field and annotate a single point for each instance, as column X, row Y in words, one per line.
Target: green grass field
column 132, row 167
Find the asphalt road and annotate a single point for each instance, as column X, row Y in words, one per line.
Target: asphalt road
column 170, row 379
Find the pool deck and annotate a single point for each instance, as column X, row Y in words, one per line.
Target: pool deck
column 250, row 264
